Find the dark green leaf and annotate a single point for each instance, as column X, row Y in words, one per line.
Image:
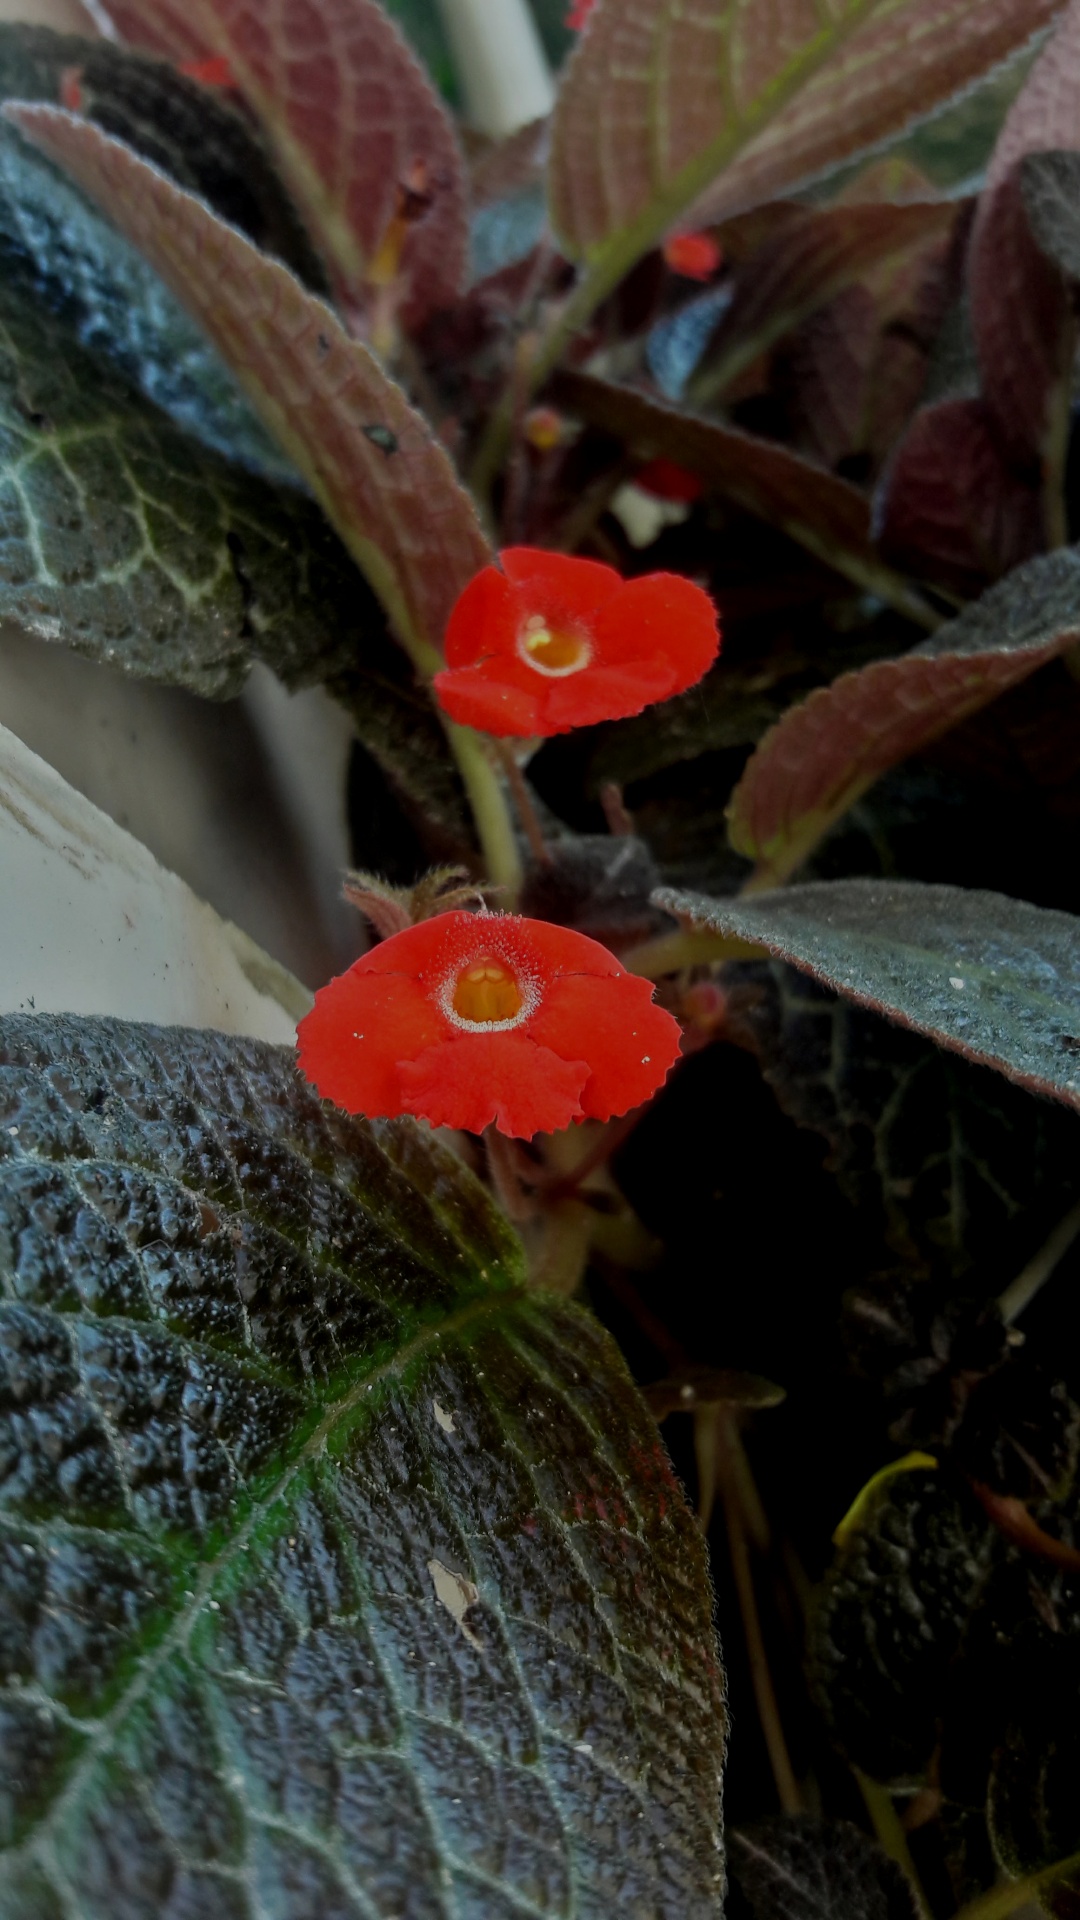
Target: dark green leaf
column 1050, row 185
column 126, row 539
column 802, row 1868
column 340, row 1575
column 892, row 1615
column 951, row 1167
column 78, row 265
column 995, row 979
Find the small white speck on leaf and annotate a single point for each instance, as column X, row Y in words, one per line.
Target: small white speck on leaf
column 445, row 1420
column 582, row 1746
column 954, row 982
column 457, row 1595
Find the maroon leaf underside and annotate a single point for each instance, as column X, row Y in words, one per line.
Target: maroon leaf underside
column 823, row 754
column 806, row 264
column 383, row 480
column 1019, row 301
column 820, row 510
column 654, row 90
column 353, row 122
column 954, row 509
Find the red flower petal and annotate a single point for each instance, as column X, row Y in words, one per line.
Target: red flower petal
column 501, row 1079
column 607, row 693
column 640, row 641
column 630, row 1043
column 359, row 1030
column 391, row 1035
column 472, row 698
column 695, row 256
column 661, row 616
column 485, row 620
column 666, row 480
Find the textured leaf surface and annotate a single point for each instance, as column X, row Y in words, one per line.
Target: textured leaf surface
column 803, row 1868
column 1019, row 303
column 126, row 539
column 823, row 513
column 954, row 510
column 339, row 1576
column 802, row 267
column 1050, row 189
column 373, row 462
column 659, row 99
column 352, row 118
column 995, row 979
column 188, row 130
column 823, row 754
column 953, row 1170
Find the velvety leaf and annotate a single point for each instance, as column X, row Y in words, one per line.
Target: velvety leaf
column 810, row 259
column 995, row 979
column 1050, row 190
column 799, row 1867
column 504, row 168
column 188, row 130
column 64, row 257
column 825, row 514
column 372, row 460
column 908, row 1578
column 1032, row 1800
column 1019, row 302
column 128, row 540
column 340, row 1574
column 953, row 508
column 953, row 1170
column 657, row 101
column 823, row 754
column 353, row 121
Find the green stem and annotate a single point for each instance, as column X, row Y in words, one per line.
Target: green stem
column 1002, row 1901
column 673, row 952
column 890, row 1833
column 487, row 799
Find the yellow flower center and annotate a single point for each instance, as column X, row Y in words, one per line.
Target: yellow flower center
column 551, row 650
column 487, row 991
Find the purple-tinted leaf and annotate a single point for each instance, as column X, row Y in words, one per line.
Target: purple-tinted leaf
column 1050, row 186
column 1019, row 302
column 823, row 754
column 362, row 139
column 659, row 99
column 825, row 514
column 995, row 979
column 954, row 510
column 808, row 262
column 384, row 482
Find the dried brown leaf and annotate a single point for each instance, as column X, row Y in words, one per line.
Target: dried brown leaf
column 823, row 754
column 383, row 480
column 359, row 133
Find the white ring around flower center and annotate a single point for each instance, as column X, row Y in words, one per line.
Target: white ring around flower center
column 527, row 985
column 535, row 633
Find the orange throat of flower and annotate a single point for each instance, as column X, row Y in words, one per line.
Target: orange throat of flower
column 487, row 992
column 552, row 650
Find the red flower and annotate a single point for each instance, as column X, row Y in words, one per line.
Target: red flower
column 695, row 255
column 666, row 480
column 549, row 643
column 579, row 14
column 214, row 71
column 474, row 1018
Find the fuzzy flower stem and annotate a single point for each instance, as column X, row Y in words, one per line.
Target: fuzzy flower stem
column 523, row 801
column 487, row 801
